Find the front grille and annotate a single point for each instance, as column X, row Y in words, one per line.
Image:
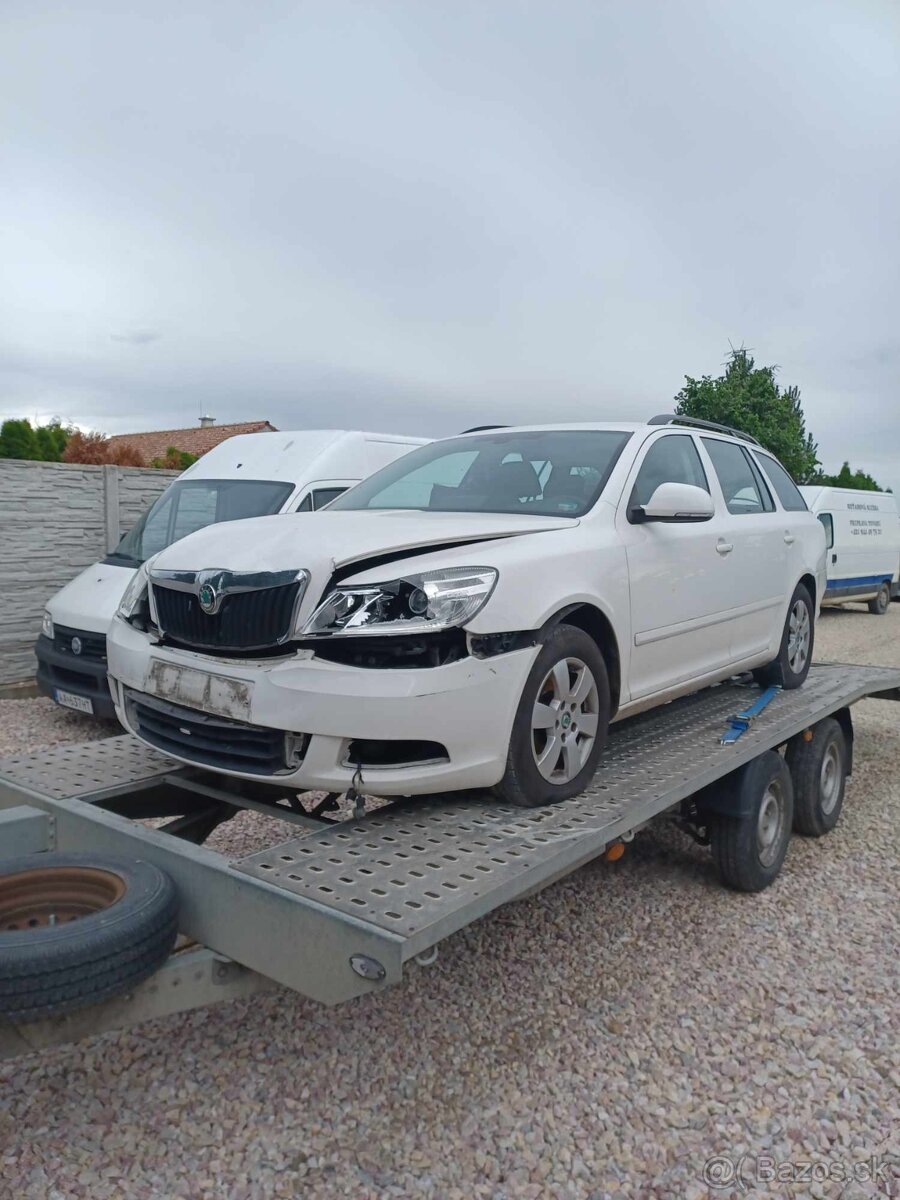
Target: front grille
column 211, row 741
column 91, row 645
column 256, row 620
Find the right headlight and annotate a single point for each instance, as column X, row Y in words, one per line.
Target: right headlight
column 430, row 601
column 135, row 594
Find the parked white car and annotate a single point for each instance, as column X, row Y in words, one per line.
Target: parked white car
column 475, row 614
column 862, row 531
column 245, row 476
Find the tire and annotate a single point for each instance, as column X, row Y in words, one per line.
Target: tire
column 749, row 850
column 882, row 602
column 566, row 654
column 790, row 668
column 114, row 923
column 819, row 771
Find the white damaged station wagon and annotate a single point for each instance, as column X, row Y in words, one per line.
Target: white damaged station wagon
column 475, row 614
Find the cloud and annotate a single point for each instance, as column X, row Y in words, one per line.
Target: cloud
column 137, row 337
column 422, row 217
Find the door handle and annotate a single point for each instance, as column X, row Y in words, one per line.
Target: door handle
column 724, row 547
column 789, row 539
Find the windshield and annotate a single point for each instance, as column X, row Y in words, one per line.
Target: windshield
column 190, row 504
column 553, row 472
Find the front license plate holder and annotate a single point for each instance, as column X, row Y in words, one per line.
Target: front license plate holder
column 221, row 695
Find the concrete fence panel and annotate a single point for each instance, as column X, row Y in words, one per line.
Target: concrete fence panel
column 55, row 520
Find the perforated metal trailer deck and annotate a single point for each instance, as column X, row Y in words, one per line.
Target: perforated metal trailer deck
column 338, row 909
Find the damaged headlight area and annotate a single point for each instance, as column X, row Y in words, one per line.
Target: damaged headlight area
column 135, row 604
column 417, row 603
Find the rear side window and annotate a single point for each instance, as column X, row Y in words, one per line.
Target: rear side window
column 742, row 485
column 673, row 459
column 786, row 489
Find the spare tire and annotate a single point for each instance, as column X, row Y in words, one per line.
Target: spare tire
column 76, row 929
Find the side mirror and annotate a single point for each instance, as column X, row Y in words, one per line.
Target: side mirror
column 677, row 502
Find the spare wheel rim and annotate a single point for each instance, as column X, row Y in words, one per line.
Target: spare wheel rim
column 48, row 896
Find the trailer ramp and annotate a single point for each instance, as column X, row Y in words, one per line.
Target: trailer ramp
column 425, row 869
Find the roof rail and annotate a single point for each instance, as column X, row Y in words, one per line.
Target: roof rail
column 677, row 419
column 484, row 428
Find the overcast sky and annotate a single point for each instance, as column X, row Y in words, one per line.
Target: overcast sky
column 419, row 216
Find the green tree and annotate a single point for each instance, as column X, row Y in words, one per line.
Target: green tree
column 748, row 398
column 18, row 440
column 51, row 440
column 845, row 478
column 175, row 460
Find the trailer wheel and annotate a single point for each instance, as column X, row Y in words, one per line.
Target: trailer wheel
column 76, row 929
column 819, row 770
column 882, row 602
column 749, row 848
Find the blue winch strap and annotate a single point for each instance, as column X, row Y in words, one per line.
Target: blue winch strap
column 740, row 722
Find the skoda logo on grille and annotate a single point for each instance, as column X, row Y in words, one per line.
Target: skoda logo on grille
column 76, row 645
column 208, row 597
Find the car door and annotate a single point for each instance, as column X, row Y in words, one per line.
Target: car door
column 679, row 580
column 755, row 536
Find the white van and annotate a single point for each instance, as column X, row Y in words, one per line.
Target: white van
column 247, row 476
column 863, row 532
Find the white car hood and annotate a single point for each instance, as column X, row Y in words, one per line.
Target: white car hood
column 90, row 601
column 322, row 541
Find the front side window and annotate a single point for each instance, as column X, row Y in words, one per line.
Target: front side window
column 742, row 486
column 672, row 459
column 319, row 498
column 541, row 473
column 191, row 504
column 785, row 488
column 828, row 522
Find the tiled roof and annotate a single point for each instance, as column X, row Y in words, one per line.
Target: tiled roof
column 196, row 440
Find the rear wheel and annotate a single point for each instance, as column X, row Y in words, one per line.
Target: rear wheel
column 818, row 764
column 791, row 667
column 749, row 848
column 561, row 723
column 882, row 602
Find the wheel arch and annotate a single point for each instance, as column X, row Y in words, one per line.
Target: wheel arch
column 597, row 624
column 809, row 582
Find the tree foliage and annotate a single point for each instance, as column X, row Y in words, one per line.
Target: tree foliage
column 97, row 450
column 748, row 398
column 175, row 460
column 846, row 478
column 46, row 443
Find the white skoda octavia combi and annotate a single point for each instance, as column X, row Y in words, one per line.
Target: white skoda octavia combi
column 475, row 614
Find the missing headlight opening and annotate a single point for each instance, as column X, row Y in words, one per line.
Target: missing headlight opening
column 383, row 653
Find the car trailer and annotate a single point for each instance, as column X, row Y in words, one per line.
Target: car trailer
column 338, row 910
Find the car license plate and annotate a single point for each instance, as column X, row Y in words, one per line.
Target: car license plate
column 70, row 700
column 218, row 694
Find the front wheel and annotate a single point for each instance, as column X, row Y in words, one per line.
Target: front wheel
column 882, row 602
column 561, row 723
column 791, row 667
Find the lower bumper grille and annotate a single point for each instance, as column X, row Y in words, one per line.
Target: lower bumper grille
column 213, row 741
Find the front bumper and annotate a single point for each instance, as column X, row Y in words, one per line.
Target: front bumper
column 69, row 673
column 466, row 707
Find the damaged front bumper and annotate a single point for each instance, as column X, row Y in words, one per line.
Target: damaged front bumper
column 411, row 731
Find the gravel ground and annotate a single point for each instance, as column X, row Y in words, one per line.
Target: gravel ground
column 603, row 1039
